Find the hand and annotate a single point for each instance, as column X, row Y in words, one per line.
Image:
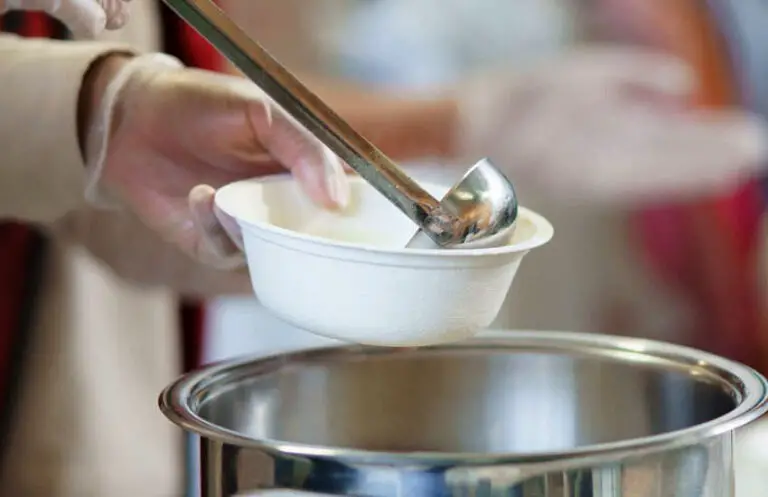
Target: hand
column 85, row 18
column 610, row 124
column 650, row 23
column 163, row 138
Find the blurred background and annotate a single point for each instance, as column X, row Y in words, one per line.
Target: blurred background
column 651, row 271
column 690, row 270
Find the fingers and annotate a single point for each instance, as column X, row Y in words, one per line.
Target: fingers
column 696, row 153
column 211, row 242
column 634, row 67
column 318, row 170
column 85, row 18
column 214, row 106
column 575, row 129
column 714, row 150
column 117, row 13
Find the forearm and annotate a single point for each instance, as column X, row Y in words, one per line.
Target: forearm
column 42, row 174
column 405, row 128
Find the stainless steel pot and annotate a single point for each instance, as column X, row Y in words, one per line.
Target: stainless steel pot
column 513, row 414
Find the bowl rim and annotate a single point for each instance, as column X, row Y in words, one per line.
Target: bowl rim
column 543, row 228
column 177, row 399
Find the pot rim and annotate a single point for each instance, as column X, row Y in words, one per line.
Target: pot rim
column 748, row 386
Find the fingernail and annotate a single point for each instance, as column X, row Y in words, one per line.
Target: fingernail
column 336, row 180
column 118, row 20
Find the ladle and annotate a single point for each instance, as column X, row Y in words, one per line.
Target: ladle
column 480, row 209
column 485, row 197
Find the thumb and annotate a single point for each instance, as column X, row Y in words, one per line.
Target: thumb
column 214, row 242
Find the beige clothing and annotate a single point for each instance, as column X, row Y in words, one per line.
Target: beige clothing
column 106, row 337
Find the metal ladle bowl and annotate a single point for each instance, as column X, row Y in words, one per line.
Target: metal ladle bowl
column 484, row 201
column 480, row 210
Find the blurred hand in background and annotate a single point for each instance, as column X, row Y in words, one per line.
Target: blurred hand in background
column 609, row 123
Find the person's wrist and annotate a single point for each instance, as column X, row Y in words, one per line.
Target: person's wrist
column 94, row 85
column 452, row 122
column 426, row 129
column 447, row 122
column 411, row 129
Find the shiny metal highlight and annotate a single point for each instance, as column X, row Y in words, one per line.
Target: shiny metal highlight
column 524, row 414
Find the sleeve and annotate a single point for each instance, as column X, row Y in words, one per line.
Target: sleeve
column 42, row 173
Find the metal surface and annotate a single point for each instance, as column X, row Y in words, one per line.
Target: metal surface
column 297, row 100
column 523, row 414
column 485, row 195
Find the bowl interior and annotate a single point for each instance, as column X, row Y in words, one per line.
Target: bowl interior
column 370, row 219
column 473, row 400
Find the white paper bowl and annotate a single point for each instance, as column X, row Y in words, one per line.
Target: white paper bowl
column 361, row 285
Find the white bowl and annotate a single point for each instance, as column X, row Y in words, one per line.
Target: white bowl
column 346, row 274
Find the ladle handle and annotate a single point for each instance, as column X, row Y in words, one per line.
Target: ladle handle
column 311, row 112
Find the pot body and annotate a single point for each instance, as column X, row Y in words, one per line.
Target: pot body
column 513, row 414
column 702, row 470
